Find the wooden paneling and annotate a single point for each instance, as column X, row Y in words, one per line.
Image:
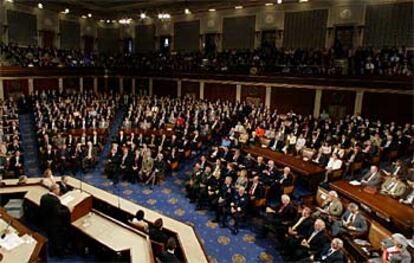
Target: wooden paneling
column 301, row 101
column 102, row 84
column 87, row 83
column 71, row 83
column 165, row 88
column 13, row 88
column 113, row 84
column 254, row 93
column 45, row 84
column 338, row 103
column 141, row 86
column 127, row 85
column 388, row 107
column 215, row 91
column 190, row 89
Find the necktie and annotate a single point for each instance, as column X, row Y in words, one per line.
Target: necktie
column 312, row 236
column 298, row 223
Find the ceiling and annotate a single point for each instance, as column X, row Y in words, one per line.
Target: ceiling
column 132, row 8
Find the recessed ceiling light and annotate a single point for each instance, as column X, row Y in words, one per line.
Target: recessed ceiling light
column 303, row 1
column 142, row 15
column 89, row 15
column 10, row 1
column 108, row 21
column 212, row 10
column 238, row 7
column 113, row 21
column 187, row 11
column 279, row 1
column 83, row 16
column 102, row 21
column 268, row 4
column 40, row 5
column 66, row 11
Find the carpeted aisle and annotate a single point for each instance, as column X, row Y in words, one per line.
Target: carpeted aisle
column 169, row 199
column 29, row 143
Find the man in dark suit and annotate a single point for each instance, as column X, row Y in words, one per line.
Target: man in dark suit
column 64, row 187
column 298, row 228
column 168, row 256
column 238, row 208
column 222, row 201
column 330, row 254
column 299, row 248
column 156, row 233
column 285, row 214
column 54, row 216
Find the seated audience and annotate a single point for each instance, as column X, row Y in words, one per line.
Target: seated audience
column 352, row 221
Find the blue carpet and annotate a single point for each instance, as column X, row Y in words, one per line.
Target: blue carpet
column 29, row 143
column 169, row 199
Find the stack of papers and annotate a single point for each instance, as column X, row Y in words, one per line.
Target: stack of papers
column 66, row 200
column 354, row 182
column 11, row 241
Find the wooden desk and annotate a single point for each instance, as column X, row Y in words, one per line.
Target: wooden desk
column 383, row 207
column 27, row 252
column 116, row 236
column 312, row 173
column 186, row 235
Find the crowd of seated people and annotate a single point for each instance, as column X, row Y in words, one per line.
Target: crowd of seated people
column 361, row 60
column 71, row 128
column 11, row 151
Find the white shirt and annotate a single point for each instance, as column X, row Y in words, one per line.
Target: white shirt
column 334, row 164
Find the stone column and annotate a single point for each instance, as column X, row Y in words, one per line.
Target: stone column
column 268, row 97
column 81, row 84
column 30, row 85
column 238, row 92
column 359, row 97
column 317, row 104
column 179, row 85
column 202, row 90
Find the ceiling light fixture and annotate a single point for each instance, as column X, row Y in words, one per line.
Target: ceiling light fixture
column 84, row 17
column 303, row 1
column 143, row 16
column 108, row 21
column 187, row 11
column 40, row 5
column 163, row 16
column 279, row 1
column 9, row 1
column 89, row 15
column 269, row 4
column 212, row 10
column 238, row 7
column 66, row 11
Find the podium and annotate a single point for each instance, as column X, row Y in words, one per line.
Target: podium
column 79, row 203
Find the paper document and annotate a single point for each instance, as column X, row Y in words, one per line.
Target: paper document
column 10, row 241
column 66, row 200
column 354, row 182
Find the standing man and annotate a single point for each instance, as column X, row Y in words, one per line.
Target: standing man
column 54, row 218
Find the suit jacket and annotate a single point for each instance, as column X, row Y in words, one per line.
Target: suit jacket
column 335, row 257
column 304, row 229
column 375, row 181
column 360, row 223
column 392, row 187
column 53, row 212
column 258, row 191
column 167, row 257
column 318, row 242
column 335, row 207
column 287, row 214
